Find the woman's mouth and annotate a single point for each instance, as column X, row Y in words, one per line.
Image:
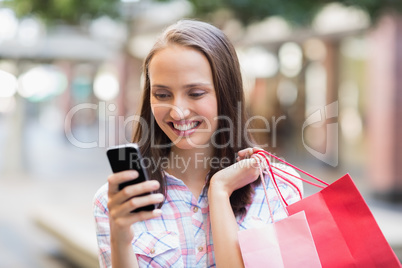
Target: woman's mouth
column 184, row 128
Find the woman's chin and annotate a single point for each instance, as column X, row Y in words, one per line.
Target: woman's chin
column 187, row 144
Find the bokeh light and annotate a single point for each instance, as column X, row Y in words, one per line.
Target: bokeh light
column 336, row 17
column 141, row 45
column 29, row 31
column 350, row 118
column 316, row 85
column 287, row 92
column 42, row 82
column 8, row 84
column 258, row 62
column 290, row 58
column 9, row 24
column 354, row 48
column 106, row 84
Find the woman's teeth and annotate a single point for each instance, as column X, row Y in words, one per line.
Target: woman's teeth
column 185, row 127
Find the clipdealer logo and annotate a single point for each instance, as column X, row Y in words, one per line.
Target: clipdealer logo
column 330, row 156
column 113, row 125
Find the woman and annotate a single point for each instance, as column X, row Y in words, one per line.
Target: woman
column 193, row 107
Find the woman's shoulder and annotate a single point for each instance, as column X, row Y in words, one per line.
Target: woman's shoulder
column 101, row 195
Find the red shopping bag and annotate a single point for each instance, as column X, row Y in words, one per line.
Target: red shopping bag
column 287, row 243
column 340, row 219
column 344, row 230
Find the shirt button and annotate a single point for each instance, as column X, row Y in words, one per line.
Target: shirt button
column 200, row 249
column 152, row 251
column 195, row 209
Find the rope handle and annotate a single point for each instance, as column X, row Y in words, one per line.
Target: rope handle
column 265, row 187
column 298, row 169
column 290, row 183
column 275, row 184
column 281, row 199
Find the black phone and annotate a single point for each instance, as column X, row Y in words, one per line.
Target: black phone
column 128, row 157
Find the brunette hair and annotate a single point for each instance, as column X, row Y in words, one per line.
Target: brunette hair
column 219, row 51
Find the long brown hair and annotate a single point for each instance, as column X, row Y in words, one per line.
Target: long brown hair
column 219, row 51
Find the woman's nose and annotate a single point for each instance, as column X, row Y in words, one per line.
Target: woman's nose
column 179, row 110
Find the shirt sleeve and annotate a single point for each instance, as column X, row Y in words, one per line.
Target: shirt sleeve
column 101, row 215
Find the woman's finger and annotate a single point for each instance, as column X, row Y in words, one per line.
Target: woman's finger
column 245, row 153
column 141, row 201
column 133, row 190
column 115, row 179
column 255, row 149
column 263, row 160
column 124, row 209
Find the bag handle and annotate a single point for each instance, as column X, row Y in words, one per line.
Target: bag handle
column 281, row 199
column 264, row 154
column 274, row 183
column 264, row 186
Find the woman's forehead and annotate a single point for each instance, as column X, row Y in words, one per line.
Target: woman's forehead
column 179, row 64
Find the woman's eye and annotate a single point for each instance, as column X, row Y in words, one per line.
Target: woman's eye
column 161, row 96
column 197, row 94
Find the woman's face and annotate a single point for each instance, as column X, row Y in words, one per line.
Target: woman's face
column 183, row 97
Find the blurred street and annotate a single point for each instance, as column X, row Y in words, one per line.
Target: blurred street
column 57, row 189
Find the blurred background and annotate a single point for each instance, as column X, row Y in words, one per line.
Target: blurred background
column 323, row 83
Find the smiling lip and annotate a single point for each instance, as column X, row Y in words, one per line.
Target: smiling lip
column 184, row 128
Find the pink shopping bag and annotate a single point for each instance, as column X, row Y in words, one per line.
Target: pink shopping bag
column 286, row 243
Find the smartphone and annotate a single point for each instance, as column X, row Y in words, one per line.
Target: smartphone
column 128, row 157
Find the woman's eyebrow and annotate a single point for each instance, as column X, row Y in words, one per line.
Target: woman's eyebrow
column 160, row 86
column 197, row 85
column 188, row 86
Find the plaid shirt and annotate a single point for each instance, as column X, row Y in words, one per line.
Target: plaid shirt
column 182, row 236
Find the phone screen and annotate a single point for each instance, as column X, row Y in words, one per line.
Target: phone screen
column 128, row 157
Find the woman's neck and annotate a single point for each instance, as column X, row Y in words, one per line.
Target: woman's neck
column 191, row 166
column 190, row 160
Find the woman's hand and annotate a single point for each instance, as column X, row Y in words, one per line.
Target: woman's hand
column 245, row 171
column 247, row 153
column 121, row 203
column 223, row 221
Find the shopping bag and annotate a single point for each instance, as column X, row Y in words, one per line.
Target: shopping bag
column 344, row 230
column 287, row 243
